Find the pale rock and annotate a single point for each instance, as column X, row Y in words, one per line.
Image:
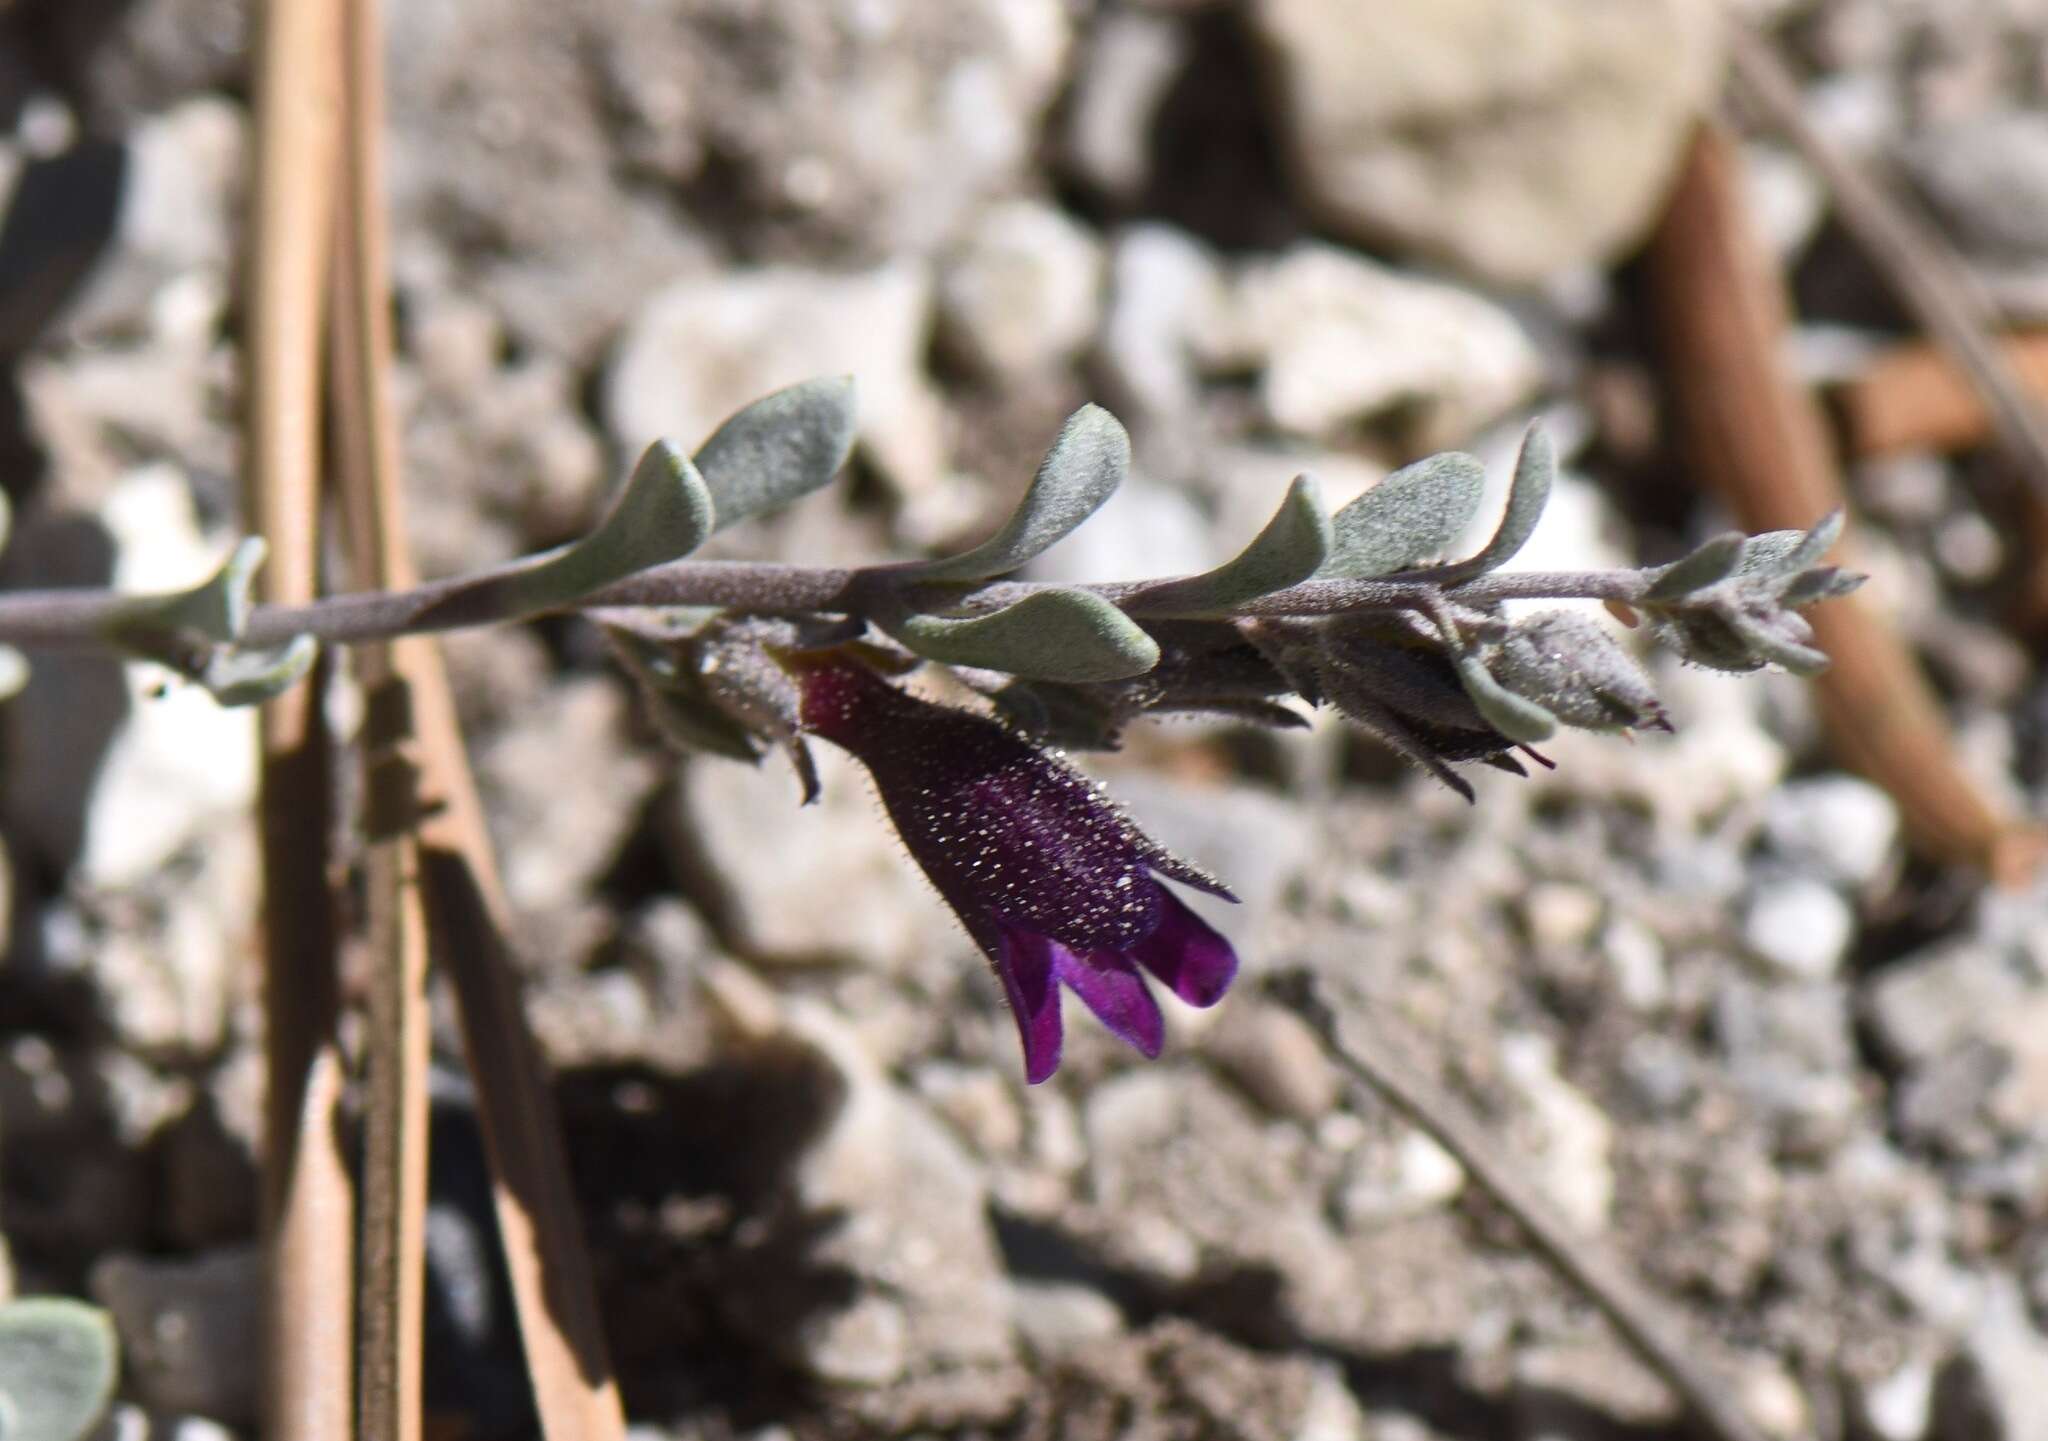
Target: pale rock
column 1564, row 1377
column 1799, row 927
column 1058, row 1317
column 181, row 198
column 707, row 346
column 1574, row 1141
column 932, row 1292
column 1331, row 1411
column 863, row 1345
column 191, row 1331
column 1143, row 530
column 1275, row 1055
column 565, row 794
column 977, row 1102
column 1895, row 1407
column 798, row 884
column 876, row 125
column 1167, row 303
column 1842, row 828
column 1785, row 199
column 1125, row 71
column 1510, row 138
column 1635, row 958
column 161, row 955
column 1022, row 290
column 1338, row 340
column 1993, row 1389
column 182, row 767
column 1561, row 915
column 1384, row 1185
column 1987, row 179
column 1933, row 1001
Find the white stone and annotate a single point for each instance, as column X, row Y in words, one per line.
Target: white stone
column 1561, row 915
column 182, row 766
column 1575, row 1139
column 1166, row 296
column 1130, row 60
column 1339, row 340
column 1636, row 958
column 1799, row 926
column 1417, row 1176
column 1512, row 138
column 1843, row 828
column 1060, row 1316
column 1896, row 1407
column 774, row 859
column 704, row 347
column 1023, row 290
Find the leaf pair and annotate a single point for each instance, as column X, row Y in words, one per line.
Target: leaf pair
column 1068, row 635
column 774, row 451
column 198, row 633
column 1417, row 512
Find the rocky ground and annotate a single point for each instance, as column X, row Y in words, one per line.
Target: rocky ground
column 1796, row 1078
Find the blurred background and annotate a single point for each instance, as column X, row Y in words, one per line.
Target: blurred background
column 1753, row 1018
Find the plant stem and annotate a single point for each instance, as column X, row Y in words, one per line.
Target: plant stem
column 64, row 619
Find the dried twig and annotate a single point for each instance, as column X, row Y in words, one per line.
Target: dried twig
column 398, row 1044
column 1640, row 1321
column 1914, row 398
column 1759, row 439
column 1925, row 273
column 427, row 827
column 309, row 1210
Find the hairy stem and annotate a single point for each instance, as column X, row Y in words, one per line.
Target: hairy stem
column 82, row 619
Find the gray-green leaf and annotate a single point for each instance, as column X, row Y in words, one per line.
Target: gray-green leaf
column 1410, row 516
column 1516, row 717
column 1528, row 494
column 1067, row 635
column 250, row 677
column 1081, row 471
column 778, row 449
column 1292, row 546
column 219, row 607
column 1713, row 562
column 663, row 512
column 1785, row 552
column 57, row 1368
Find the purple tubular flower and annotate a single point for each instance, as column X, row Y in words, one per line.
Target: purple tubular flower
column 1050, row 878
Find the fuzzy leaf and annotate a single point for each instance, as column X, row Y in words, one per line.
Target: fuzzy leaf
column 1528, row 494
column 1713, row 562
column 249, row 677
column 778, row 449
column 1516, row 717
column 1781, row 639
column 1081, row 471
column 57, row 1368
column 1818, row 583
column 1293, row 545
column 219, row 607
column 1573, row 667
column 1068, row 635
column 663, row 512
column 1408, row 517
column 1786, row 552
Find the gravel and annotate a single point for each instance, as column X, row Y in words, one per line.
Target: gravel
column 1697, row 986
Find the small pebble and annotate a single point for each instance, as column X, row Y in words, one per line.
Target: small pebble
column 1840, row 828
column 1799, row 927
